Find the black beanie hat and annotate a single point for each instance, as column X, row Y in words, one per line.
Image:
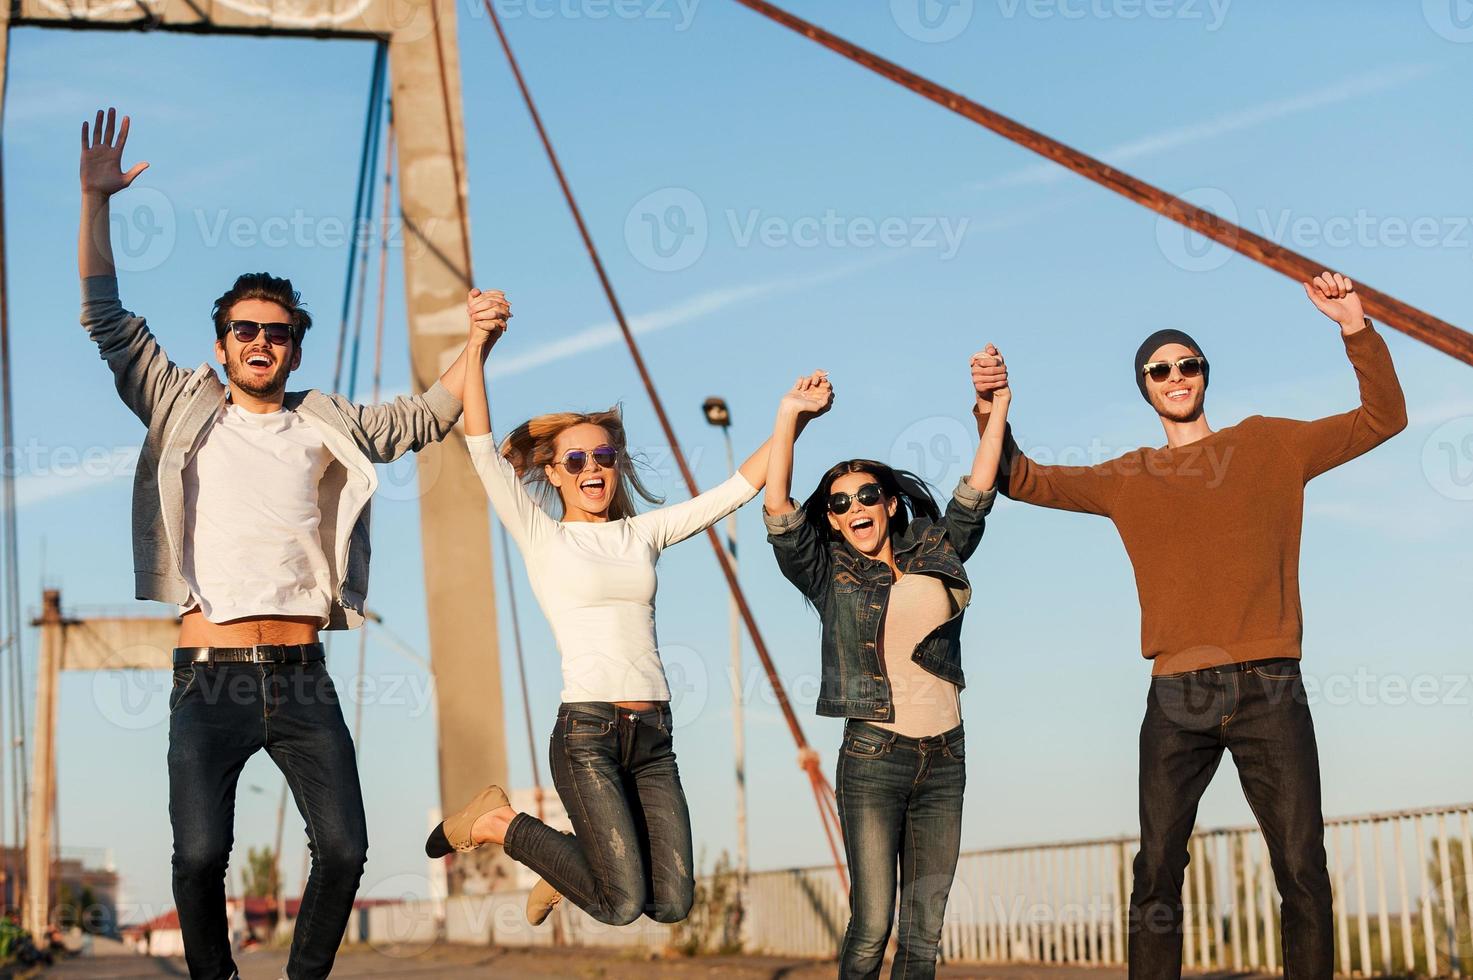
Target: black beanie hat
column 1154, row 343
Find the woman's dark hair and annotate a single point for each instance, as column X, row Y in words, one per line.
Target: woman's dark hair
column 913, row 496
column 262, row 285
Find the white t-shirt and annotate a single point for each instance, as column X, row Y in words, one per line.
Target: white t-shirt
column 252, row 521
column 596, row 582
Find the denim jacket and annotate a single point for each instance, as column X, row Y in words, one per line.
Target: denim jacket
column 850, row 593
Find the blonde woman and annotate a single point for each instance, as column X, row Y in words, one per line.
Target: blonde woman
column 590, row 556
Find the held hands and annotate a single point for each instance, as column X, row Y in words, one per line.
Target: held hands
column 990, row 378
column 811, row 396
column 488, row 313
column 102, row 167
column 1334, row 295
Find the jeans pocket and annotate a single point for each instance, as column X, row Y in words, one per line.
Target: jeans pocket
column 1287, row 670
column 957, row 749
column 583, row 726
column 860, row 747
column 184, row 678
column 319, row 688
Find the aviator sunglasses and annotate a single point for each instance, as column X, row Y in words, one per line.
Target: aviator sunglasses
column 1159, row 371
column 277, row 334
column 867, row 495
column 576, row 460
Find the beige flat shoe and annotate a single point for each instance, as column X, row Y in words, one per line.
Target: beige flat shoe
column 454, row 832
column 541, row 900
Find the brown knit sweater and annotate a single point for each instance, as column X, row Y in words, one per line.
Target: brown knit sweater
column 1213, row 527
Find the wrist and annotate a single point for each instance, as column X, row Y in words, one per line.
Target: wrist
column 1354, row 325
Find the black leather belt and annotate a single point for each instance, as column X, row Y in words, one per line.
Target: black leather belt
column 262, row 653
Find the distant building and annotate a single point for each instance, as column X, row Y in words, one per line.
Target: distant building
column 81, row 872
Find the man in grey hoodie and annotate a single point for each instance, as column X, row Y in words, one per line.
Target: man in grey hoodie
column 250, row 512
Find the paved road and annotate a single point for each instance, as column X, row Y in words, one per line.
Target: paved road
column 462, row 963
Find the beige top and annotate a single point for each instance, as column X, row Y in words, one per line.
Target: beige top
column 924, row 703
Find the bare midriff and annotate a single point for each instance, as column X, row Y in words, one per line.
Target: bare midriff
column 641, row 705
column 196, row 631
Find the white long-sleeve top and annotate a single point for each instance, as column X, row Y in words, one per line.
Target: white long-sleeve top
column 596, row 582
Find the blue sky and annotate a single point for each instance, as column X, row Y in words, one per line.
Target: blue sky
column 835, row 221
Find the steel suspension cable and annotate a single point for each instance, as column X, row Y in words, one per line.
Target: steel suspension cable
column 808, row 758
column 378, row 366
column 516, row 633
column 362, row 196
column 1393, row 312
column 365, row 237
column 12, row 676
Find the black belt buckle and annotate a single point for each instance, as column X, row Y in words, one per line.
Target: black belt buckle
column 269, row 653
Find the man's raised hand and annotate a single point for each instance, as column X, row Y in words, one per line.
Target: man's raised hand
column 488, row 313
column 989, row 376
column 102, row 156
column 1334, row 295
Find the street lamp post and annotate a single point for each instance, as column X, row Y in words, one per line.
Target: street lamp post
column 719, row 415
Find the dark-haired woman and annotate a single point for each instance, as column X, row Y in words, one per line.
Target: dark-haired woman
column 591, row 561
column 883, row 566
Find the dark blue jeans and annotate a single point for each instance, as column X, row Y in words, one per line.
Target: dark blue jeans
column 219, row 717
column 900, row 804
column 630, row 850
column 1260, row 714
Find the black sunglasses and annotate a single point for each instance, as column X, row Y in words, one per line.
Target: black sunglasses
column 576, row 460
column 1190, row 367
column 277, row 334
column 867, row 495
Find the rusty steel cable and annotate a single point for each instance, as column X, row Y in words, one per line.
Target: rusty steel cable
column 808, row 758
column 1410, row 320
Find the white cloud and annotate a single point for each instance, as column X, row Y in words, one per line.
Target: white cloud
column 679, row 314
column 64, row 475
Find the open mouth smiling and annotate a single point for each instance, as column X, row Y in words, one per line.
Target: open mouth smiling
column 593, row 487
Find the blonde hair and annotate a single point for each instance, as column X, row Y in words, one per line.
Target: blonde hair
column 531, row 447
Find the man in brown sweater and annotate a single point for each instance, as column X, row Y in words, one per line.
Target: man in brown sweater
column 1223, row 635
